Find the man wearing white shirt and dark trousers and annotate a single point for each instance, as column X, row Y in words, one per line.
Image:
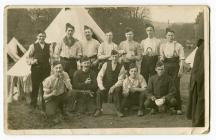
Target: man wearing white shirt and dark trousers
column 150, row 51
column 39, row 59
column 109, row 81
column 172, row 54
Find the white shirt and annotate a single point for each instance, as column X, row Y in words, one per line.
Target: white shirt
column 105, row 49
column 90, row 47
column 152, row 43
column 102, row 73
column 170, row 50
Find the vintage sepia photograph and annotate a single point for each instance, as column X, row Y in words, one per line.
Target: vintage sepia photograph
column 106, row 69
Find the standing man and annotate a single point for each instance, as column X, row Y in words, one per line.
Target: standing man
column 69, row 50
column 105, row 49
column 172, row 54
column 86, row 85
column 131, row 49
column 150, row 51
column 196, row 106
column 39, row 59
column 109, row 81
column 90, row 48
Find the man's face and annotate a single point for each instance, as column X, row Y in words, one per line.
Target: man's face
column 41, row 37
column 160, row 70
column 58, row 69
column 133, row 72
column 86, row 65
column 70, row 32
column 150, row 31
column 88, row 33
column 170, row 36
column 109, row 36
column 129, row 35
column 114, row 58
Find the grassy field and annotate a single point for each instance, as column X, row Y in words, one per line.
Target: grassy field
column 19, row 117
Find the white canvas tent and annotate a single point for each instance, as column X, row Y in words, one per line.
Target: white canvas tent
column 12, row 49
column 190, row 59
column 79, row 18
column 76, row 16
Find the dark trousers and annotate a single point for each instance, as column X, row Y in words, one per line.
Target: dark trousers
column 69, row 66
column 85, row 102
column 38, row 74
column 148, row 66
column 136, row 98
column 172, row 69
column 104, row 97
column 172, row 102
column 54, row 103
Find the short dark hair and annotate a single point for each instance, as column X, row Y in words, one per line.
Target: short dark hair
column 129, row 29
column 108, row 31
column 87, row 28
column 133, row 65
column 84, row 58
column 149, row 25
column 169, row 30
column 56, row 62
column 114, row 52
column 41, row 32
column 159, row 64
column 68, row 25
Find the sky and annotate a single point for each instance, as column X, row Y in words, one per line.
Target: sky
column 185, row 14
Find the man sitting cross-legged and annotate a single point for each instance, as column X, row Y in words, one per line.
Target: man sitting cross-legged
column 134, row 88
column 161, row 91
column 56, row 87
column 85, row 86
column 109, row 81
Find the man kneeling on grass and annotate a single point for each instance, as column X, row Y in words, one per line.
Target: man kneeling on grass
column 86, row 85
column 134, row 88
column 55, row 89
column 109, row 81
column 161, row 91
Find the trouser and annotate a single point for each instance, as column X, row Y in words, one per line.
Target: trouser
column 69, row 65
column 103, row 97
column 172, row 69
column 85, row 102
column 38, row 74
column 54, row 103
column 136, row 98
column 171, row 102
column 148, row 66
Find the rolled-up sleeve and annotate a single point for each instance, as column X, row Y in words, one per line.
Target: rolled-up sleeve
column 181, row 52
column 100, row 76
column 58, row 49
column 121, row 77
column 142, row 81
column 125, row 87
column 47, row 85
column 67, row 81
column 30, row 52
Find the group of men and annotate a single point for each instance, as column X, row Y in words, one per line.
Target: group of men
column 108, row 72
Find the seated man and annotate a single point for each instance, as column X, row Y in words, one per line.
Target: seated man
column 109, row 81
column 161, row 86
column 134, row 88
column 55, row 88
column 86, row 85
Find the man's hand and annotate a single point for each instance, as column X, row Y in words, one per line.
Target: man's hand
column 111, row 90
column 88, row 81
column 34, row 61
column 180, row 72
column 132, row 90
column 153, row 98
